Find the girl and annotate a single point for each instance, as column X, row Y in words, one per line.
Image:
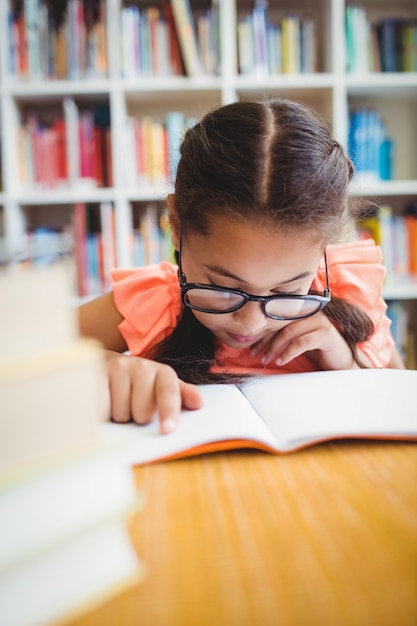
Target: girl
column 261, row 288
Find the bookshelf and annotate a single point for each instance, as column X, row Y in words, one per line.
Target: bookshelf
column 133, row 90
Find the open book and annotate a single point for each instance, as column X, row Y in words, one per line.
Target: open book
column 283, row 413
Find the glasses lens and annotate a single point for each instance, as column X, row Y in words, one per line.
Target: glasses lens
column 212, row 300
column 291, row 307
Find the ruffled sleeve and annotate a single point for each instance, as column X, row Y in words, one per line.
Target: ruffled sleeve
column 149, row 300
column 356, row 274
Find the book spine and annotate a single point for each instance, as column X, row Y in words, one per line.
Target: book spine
column 260, row 21
column 80, row 241
column 245, row 46
column 187, row 37
column 32, row 18
column 71, row 117
column 390, row 37
column 176, row 62
column 291, row 44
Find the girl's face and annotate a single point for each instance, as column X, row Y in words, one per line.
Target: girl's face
column 255, row 259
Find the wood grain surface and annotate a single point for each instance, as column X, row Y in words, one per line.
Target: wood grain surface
column 323, row 536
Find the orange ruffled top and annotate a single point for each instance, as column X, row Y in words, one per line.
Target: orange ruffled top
column 149, row 300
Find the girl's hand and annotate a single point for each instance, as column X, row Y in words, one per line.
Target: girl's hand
column 141, row 389
column 315, row 335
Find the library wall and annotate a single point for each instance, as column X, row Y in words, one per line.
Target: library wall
column 95, row 98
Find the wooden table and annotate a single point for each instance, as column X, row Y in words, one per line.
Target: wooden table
column 323, row 536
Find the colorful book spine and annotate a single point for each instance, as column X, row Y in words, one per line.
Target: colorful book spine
column 47, row 43
column 187, row 36
column 397, row 237
column 66, row 148
column 153, row 146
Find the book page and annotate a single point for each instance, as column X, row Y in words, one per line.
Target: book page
column 304, row 408
column 226, row 415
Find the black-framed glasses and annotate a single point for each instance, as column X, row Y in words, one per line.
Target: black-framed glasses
column 218, row 300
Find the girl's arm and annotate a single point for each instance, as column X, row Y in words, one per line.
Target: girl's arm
column 100, row 319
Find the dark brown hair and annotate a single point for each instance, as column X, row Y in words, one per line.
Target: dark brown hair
column 273, row 163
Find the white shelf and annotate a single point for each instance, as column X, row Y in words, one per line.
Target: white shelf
column 381, row 83
column 401, row 291
column 65, row 196
column 384, row 188
column 45, row 89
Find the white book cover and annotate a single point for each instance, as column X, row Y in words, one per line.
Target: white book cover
column 40, row 512
column 68, row 581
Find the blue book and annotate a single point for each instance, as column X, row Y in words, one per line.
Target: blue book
column 145, row 46
column 260, row 46
column 391, row 44
column 32, row 14
column 357, row 139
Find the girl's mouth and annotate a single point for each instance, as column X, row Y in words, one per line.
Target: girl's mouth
column 243, row 338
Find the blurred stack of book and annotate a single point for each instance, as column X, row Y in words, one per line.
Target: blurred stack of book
column 65, row 496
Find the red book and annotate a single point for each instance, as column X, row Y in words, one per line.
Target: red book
column 174, row 45
column 23, row 47
column 98, row 155
column 108, row 157
column 38, row 155
column 61, row 151
column 86, row 138
column 141, row 168
column 411, row 230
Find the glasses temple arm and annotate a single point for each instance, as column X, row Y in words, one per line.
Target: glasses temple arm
column 182, row 277
column 327, row 289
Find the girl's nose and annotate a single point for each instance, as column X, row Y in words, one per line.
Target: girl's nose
column 250, row 317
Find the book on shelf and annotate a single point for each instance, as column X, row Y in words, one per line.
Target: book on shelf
column 270, row 47
column 152, row 145
column 284, row 413
column 410, row 46
column 397, row 237
column 47, row 42
column 108, row 234
column 290, row 37
column 369, row 145
column 245, row 43
column 208, row 38
column 94, row 246
column 274, row 44
column 400, row 318
column 187, row 36
column 357, row 32
column 390, row 33
column 87, row 145
column 149, row 42
column 259, row 33
column 80, row 247
column 308, row 45
column 152, row 237
column 175, row 56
